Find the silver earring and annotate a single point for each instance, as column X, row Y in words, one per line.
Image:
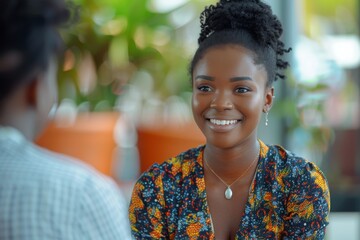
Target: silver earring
column 266, row 118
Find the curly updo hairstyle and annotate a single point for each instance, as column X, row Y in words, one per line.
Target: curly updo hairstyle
column 248, row 23
column 29, row 39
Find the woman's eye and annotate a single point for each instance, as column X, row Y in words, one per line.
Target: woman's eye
column 242, row 90
column 204, row 89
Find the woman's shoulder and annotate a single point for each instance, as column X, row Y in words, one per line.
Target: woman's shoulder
column 178, row 165
column 284, row 158
column 293, row 168
column 303, row 187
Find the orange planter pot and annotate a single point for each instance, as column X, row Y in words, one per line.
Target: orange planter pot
column 90, row 138
column 158, row 143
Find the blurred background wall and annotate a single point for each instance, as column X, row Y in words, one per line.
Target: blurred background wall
column 125, row 91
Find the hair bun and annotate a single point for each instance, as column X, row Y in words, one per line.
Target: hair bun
column 253, row 16
column 239, row 1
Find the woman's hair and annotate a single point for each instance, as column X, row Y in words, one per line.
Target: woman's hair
column 248, row 23
column 29, row 39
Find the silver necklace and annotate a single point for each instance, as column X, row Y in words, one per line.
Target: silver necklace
column 228, row 191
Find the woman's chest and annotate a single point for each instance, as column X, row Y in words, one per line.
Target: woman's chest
column 190, row 215
column 226, row 213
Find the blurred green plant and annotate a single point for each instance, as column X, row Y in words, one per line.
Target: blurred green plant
column 304, row 113
column 114, row 39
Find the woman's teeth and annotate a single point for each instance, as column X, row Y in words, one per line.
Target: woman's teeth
column 223, row 122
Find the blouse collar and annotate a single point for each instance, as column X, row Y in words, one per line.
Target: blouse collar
column 10, row 133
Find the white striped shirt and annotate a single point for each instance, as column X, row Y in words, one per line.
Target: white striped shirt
column 44, row 195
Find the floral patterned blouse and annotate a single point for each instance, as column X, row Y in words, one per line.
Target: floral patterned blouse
column 288, row 199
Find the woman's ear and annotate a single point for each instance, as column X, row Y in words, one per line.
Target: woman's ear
column 31, row 92
column 269, row 98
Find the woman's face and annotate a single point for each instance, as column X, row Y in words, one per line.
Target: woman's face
column 229, row 95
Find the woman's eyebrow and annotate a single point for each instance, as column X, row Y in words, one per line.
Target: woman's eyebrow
column 233, row 79
column 204, row 77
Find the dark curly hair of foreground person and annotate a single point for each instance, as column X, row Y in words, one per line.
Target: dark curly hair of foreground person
column 28, row 38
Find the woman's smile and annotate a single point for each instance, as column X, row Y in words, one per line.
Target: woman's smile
column 222, row 125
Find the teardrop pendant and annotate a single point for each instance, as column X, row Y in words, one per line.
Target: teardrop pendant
column 228, row 193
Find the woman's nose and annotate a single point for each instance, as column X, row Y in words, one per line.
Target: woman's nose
column 221, row 102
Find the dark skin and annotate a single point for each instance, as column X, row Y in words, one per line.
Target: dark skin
column 27, row 107
column 230, row 93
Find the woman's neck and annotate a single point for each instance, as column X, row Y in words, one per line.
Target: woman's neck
column 232, row 162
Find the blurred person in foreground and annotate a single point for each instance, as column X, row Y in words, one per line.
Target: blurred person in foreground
column 44, row 195
column 235, row 186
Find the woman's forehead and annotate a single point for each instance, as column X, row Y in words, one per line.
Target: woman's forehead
column 230, row 59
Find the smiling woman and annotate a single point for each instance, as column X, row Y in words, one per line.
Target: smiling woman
column 228, row 86
column 235, row 186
